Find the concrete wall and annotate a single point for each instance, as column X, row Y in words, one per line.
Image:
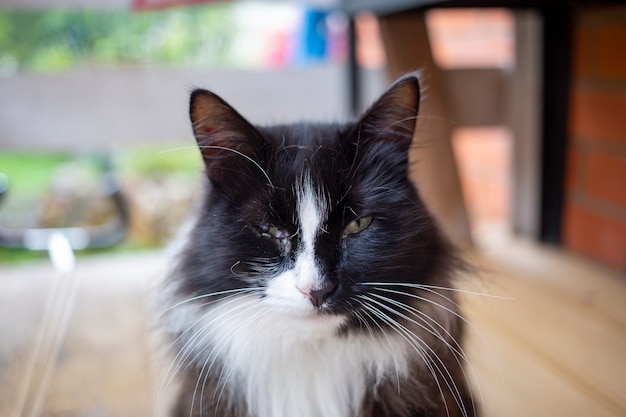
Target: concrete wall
column 95, row 109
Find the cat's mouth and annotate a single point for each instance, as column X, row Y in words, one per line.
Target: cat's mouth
column 319, row 323
column 303, row 310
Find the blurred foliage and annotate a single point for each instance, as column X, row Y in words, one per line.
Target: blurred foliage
column 152, row 161
column 29, row 173
column 57, row 39
column 158, row 183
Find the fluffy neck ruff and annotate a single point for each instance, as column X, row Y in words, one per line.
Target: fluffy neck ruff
column 286, row 366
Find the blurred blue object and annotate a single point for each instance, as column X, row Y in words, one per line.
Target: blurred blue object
column 314, row 36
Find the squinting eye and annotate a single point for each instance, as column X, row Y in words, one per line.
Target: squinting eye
column 272, row 231
column 281, row 237
column 358, row 225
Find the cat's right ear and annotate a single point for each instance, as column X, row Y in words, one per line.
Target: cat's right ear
column 229, row 144
column 392, row 118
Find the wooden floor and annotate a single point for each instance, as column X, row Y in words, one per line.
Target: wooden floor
column 549, row 340
column 557, row 346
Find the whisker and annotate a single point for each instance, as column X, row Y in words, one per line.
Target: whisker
column 430, row 330
column 429, row 301
column 208, row 295
column 447, row 377
column 179, row 148
column 193, row 342
column 435, row 287
column 256, row 164
column 457, row 350
column 219, row 345
column 246, row 306
column 454, row 313
column 234, row 364
column 393, row 352
column 414, row 344
column 184, row 352
column 232, row 297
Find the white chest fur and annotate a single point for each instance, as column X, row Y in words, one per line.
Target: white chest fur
column 284, row 366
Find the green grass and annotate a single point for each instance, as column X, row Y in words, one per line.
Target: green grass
column 29, row 174
column 30, row 178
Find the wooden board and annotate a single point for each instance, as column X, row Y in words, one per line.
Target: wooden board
column 553, row 347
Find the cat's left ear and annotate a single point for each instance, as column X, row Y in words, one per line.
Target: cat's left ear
column 392, row 118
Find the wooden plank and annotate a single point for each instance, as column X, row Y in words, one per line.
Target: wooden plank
column 107, row 363
column 524, row 118
column 517, row 383
column 433, row 166
column 565, row 276
column 556, row 348
column 553, row 324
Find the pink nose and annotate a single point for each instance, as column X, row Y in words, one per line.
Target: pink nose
column 318, row 296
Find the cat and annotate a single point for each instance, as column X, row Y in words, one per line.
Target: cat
column 314, row 282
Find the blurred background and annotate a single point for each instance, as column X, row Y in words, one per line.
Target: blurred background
column 116, row 80
column 525, row 106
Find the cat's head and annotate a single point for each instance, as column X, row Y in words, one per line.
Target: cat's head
column 311, row 218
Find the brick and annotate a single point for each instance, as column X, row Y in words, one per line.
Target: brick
column 483, row 151
column 486, row 202
column 484, row 160
column 598, row 114
column 574, row 169
column 611, row 47
column 594, row 235
column 606, row 177
column 472, row 38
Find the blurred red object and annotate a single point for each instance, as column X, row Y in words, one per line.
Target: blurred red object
column 163, row 4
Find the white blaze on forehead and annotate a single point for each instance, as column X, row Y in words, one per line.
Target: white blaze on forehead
column 290, row 289
column 311, row 215
column 310, row 212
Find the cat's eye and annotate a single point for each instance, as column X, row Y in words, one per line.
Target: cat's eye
column 272, row 232
column 358, row 225
column 281, row 237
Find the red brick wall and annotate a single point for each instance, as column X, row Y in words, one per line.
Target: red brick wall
column 483, row 155
column 594, row 221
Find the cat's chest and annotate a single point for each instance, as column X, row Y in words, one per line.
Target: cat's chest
column 283, row 366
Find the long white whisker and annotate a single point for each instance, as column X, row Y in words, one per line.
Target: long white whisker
column 184, row 352
column 231, row 297
column 456, row 314
column 256, row 164
column 245, row 307
column 235, row 363
column 429, row 301
column 193, row 341
column 447, row 377
column 431, row 330
column 409, row 338
column 179, row 148
column 393, row 352
column 181, row 361
column 456, row 349
column 435, row 287
column 208, row 295
column 216, row 350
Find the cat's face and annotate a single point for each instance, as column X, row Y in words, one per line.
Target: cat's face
column 309, row 218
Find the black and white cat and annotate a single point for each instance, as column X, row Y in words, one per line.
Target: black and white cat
column 314, row 282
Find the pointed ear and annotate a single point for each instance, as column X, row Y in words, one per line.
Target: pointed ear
column 227, row 141
column 392, row 118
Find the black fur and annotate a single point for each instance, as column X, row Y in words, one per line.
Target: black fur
column 362, row 168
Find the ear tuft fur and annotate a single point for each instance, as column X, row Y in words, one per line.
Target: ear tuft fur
column 392, row 118
column 226, row 139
